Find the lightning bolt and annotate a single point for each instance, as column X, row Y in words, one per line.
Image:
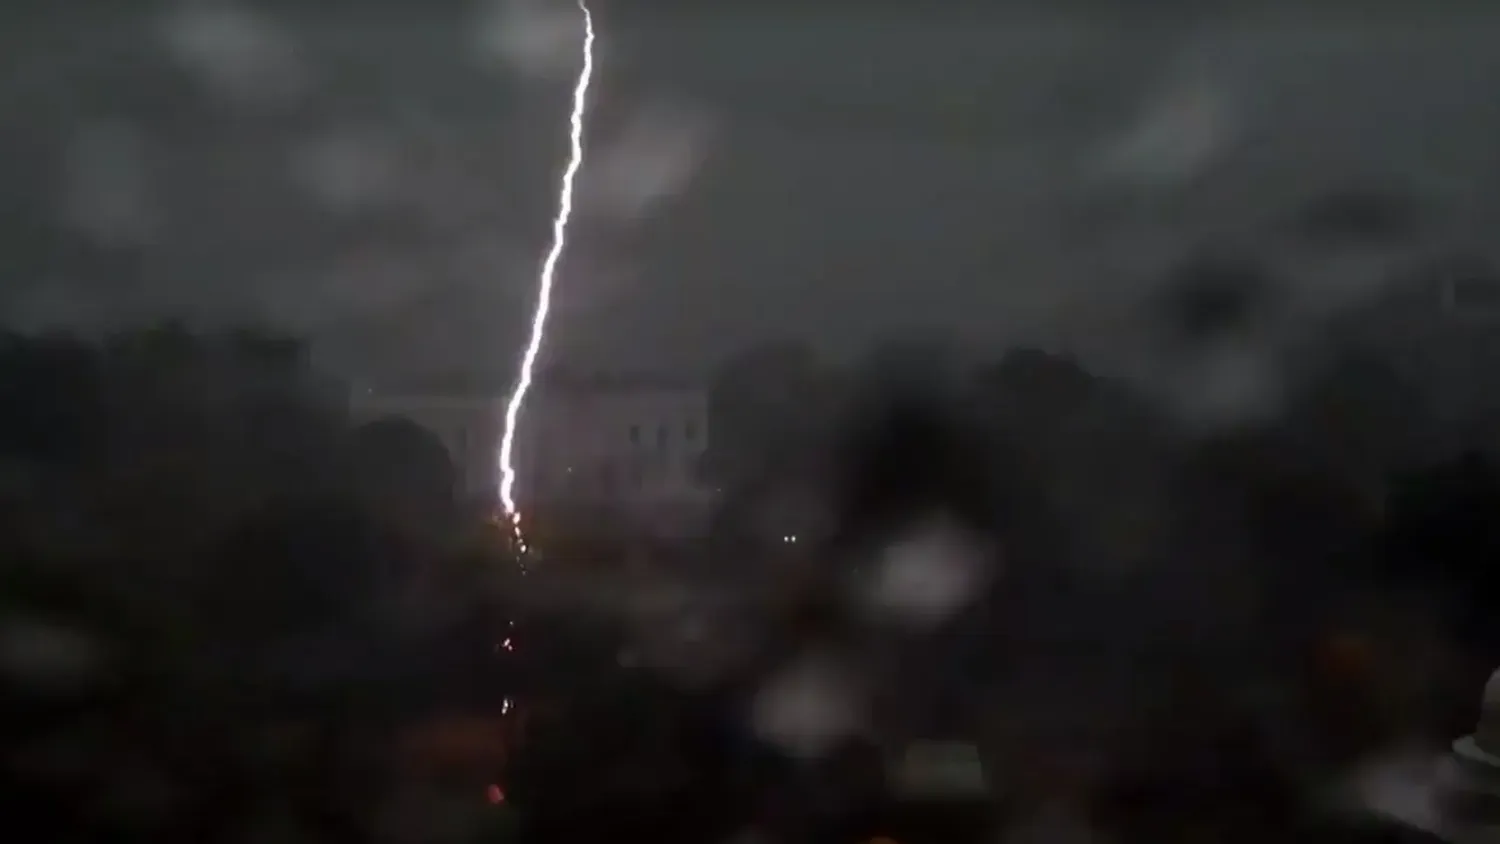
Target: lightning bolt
column 544, row 283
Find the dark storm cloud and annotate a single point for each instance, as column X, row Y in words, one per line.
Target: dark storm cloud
column 1011, row 172
column 933, row 170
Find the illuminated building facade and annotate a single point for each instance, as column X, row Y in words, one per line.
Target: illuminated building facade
column 629, row 447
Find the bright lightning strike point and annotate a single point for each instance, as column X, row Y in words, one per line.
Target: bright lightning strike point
column 544, row 284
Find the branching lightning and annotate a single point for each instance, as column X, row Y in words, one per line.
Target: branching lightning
column 544, row 284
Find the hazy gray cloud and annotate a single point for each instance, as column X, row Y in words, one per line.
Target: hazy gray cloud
column 652, row 156
column 348, row 169
column 389, row 177
column 107, row 185
column 539, row 38
column 1179, row 134
column 235, row 52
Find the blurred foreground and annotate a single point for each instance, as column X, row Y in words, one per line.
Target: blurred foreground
column 232, row 615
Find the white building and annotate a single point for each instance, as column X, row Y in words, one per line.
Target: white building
column 630, row 446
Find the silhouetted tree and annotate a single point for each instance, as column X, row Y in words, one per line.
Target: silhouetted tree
column 406, row 475
column 188, row 564
column 760, row 401
column 1035, row 392
column 1442, row 537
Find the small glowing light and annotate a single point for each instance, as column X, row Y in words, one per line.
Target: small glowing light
column 506, row 706
column 494, row 794
column 789, row 539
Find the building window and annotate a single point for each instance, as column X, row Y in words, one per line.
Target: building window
column 635, row 435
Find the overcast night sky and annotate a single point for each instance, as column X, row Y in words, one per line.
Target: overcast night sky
column 383, row 181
